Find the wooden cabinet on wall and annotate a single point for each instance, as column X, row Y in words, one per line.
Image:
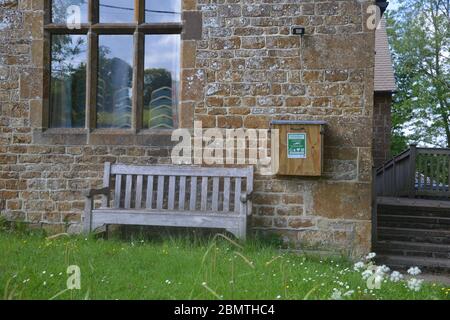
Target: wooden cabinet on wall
column 300, row 147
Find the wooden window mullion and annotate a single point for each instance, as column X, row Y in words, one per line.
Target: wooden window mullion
column 47, row 80
column 91, row 81
column 138, row 68
column 93, row 12
column 47, row 12
column 139, row 11
column 92, row 66
column 138, row 82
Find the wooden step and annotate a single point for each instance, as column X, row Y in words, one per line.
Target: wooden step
column 414, row 235
column 403, row 263
column 413, row 222
column 412, row 249
column 413, row 211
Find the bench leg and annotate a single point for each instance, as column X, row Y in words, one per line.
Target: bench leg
column 88, row 207
column 241, row 231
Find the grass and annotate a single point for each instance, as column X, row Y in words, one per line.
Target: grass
column 34, row 267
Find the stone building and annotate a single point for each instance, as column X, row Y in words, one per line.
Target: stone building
column 227, row 63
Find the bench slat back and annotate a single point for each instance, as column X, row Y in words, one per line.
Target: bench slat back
column 173, row 188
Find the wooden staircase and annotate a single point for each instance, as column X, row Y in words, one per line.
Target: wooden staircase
column 413, row 233
column 411, row 226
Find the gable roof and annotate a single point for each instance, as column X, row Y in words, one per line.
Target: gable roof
column 384, row 71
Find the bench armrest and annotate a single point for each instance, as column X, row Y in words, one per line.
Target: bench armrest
column 246, row 197
column 94, row 192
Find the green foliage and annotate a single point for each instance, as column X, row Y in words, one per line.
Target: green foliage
column 419, row 32
column 399, row 143
column 176, row 268
column 3, row 223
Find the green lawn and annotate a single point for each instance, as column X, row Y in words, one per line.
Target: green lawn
column 34, row 267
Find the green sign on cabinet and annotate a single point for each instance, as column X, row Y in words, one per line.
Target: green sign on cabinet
column 296, row 145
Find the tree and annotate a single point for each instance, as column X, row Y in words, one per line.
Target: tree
column 419, row 32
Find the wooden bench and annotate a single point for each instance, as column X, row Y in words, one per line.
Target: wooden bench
column 173, row 196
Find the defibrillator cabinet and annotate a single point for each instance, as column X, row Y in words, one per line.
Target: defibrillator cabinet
column 299, row 151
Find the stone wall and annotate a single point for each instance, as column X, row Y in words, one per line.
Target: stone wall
column 382, row 126
column 246, row 70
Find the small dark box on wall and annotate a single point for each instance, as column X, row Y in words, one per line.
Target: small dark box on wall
column 298, row 31
column 300, row 147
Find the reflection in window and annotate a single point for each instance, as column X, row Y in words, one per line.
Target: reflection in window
column 68, row 81
column 161, row 80
column 162, row 11
column 62, row 14
column 115, row 77
column 114, row 11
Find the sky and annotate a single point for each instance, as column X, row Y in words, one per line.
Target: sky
column 393, row 4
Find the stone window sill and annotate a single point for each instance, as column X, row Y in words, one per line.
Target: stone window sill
column 119, row 137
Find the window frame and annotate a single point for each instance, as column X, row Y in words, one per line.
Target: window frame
column 93, row 29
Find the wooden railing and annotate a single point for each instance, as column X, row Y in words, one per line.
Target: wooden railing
column 416, row 172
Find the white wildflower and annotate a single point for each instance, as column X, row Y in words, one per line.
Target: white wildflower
column 378, row 279
column 168, row 282
column 415, row 284
column 371, row 255
column 383, row 269
column 396, row 276
column 414, row 271
column 336, row 295
column 278, row 297
column 348, row 293
column 367, row 274
column 358, row 266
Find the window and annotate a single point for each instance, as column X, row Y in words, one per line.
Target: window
column 161, row 80
column 114, row 82
column 68, row 81
column 119, row 69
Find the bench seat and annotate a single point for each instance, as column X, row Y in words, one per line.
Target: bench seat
column 172, row 196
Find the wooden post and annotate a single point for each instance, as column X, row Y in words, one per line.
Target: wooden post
column 412, row 170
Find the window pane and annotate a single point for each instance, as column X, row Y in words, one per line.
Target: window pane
column 115, row 77
column 162, row 11
column 161, row 81
column 68, row 81
column 113, row 11
column 62, row 12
